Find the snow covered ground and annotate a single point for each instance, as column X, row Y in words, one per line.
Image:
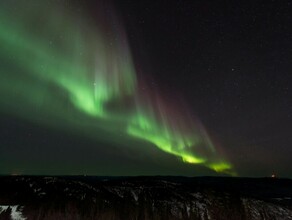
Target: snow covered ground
column 16, row 211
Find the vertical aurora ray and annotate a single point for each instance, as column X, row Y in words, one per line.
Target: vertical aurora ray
column 174, row 131
column 56, row 63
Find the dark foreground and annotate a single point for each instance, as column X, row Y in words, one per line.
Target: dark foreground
column 125, row 198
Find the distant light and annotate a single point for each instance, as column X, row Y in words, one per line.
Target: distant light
column 273, row 175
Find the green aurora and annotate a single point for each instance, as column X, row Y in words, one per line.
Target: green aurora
column 63, row 69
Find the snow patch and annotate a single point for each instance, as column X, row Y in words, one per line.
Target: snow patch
column 16, row 211
column 134, row 195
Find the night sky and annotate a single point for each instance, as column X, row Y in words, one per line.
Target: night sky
column 146, row 87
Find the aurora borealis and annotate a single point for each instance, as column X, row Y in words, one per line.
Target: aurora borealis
column 95, row 76
column 71, row 67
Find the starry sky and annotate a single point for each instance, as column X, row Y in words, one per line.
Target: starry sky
column 145, row 88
